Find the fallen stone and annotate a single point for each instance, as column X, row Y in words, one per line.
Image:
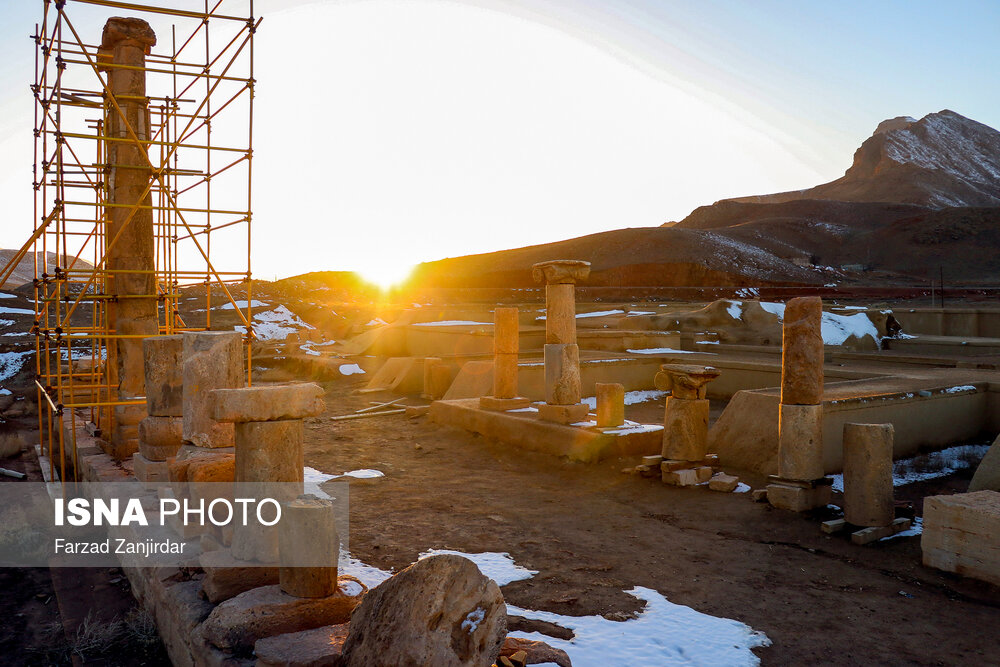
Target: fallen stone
column 503, row 404
column 686, row 477
column 439, row 611
column 238, row 623
column 796, row 498
column 319, row 647
column 723, row 482
column 536, row 652
column 273, row 402
column 653, row 461
column 759, row 495
column 703, row 473
column 417, row 410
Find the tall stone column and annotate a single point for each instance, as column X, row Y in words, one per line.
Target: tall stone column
column 128, row 234
column 562, row 354
column 506, row 335
column 868, row 493
column 800, row 484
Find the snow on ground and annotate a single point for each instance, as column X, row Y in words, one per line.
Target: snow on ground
column 276, row 324
column 597, row 313
column 663, row 633
column 254, row 303
column 664, row 350
column 916, row 528
column 351, row 369
column 631, row 397
column 964, row 387
column 836, row 328
column 929, row 466
column 6, row 323
column 7, row 310
column 11, row 362
column 735, row 309
column 375, row 322
column 452, row 323
column 4, row 295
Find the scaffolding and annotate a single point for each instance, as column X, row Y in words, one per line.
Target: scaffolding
column 198, row 143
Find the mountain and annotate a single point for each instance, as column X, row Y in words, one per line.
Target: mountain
column 25, row 270
column 942, row 160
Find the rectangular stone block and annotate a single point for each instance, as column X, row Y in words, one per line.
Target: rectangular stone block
column 160, row 437
column 309, row 547
column 962, row 534
column 164, row 371
column 685, row 477
column 876, row 533
column 227, row 577
column 868, row 492
column 796, row 498
column 265, row 403
column 685, row 429
column 563, row 414
column 562, row 374
column 610, row 404
column 723, row 482
column 506, row 331
column 800, row 442
column 212, row 360
column 503, row 404
column 150, row 472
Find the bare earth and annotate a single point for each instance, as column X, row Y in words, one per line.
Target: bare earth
column 593, row 532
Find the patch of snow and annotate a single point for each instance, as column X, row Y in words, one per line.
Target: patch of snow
column 916, row 528
column 375, row 322
column 631, row 397
column 933, row 465
column 473, row 619
column 836, row 328
column 663, row 350
column 313, row 476
column 452, row 323
column 774, row 308
column 7, row 310
column 706, row 342
column 275, row 324
column 735, row 309
column 369, row 575
column 351, row 369
column 596, row 313
column 350, row 588
column 307, row 348
column 964, row 387
column 4, row 391
column 635, row 428
column 241, row 304
column 364, row 473
column 5, row 295
column 6, row 323
column 528, row 409
column 741, row 488
column 499, row 567
column 633, row 313
column 11, row 362
column 748, row 292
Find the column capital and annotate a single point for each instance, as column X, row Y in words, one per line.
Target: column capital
column 131, row 31
column 556, row 271
column 685, row 380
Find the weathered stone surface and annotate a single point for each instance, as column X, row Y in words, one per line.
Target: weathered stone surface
column 802, row 352
column 563, row 414
column 319, row 647
column 962, row 534
column 506, row 331
column 150, row 472
column 537, row 652
column 163, row 358
column 309, row 547
column 797, row 498
column 987, row 476
column 239, row 622
column 160, row 437
column 610, row 404
column 685, row 429
column 560, row 271
column 562, row 374
column 437, row 378
column 800, row 441
column 207, row 467
column 439, row 611
column 703, row 474
column 503, row 404
column 505, row 376
column 269, row 451
column 685, row 381
column 227, row 577
column 212, row 360
column 868, row 494
column 683, row 477
column 723, row 482
column 272, row 402
column 560, row 314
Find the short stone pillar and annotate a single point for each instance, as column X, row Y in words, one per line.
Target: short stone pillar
column 506, row 345
column 309, row 548
column 160, row 433
column 685, row 419
column 562, row 355
column 868, row 493
column 437, row 378
column 800, row 483
column 610, row 404
column 212, row 360
column 269, row 449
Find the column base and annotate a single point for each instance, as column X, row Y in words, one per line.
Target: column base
column 503, row 404
column 797, row 495
column 563, row 414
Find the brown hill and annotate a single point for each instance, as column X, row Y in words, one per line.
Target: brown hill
column 25, row 271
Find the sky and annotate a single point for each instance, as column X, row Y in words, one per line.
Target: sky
column 390, row 132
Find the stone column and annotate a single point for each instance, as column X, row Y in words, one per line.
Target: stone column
column 309, row 548
column 685, row 418
column 610, row 404
column 868, row 494
column 128, row 234
column 800, row 484
column 269, row 450
column 506, row 342
column 161, row 432
column 212, row 360
column 562, row 354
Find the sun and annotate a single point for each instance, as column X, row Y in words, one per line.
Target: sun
column 387, row 275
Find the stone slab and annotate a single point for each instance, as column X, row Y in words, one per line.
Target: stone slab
column 876, row 533
column 319, row 647
column 226, row 577
column 164, row 373
column 524, row 430
column 800, row 441
column 796, row 498
column 723, row 482
column 502, row 404
column 563, row 414
column 961, row 534
column 273, row 402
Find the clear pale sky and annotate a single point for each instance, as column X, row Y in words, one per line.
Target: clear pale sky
column 390, row 132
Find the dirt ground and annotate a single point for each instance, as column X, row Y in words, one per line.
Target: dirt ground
column 593, row 532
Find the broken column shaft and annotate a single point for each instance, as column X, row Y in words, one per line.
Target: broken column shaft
column 610, row 404
column 128, row 234
column 506, row 333
column 309, row 548
column 161, row 431
column 868, row 493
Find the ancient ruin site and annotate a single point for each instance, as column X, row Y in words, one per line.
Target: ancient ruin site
column 529, row 432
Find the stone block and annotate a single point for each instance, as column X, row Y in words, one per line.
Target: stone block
column 670, row 465
column 269, row 451
column 239, row 622
column 868, row 492
column 437, row 378
column 160, row 437
column 164, row 372
column 212, row 360
column 506, row 331
column 961, row 534
column 319, row 647
column 723, row 482
column 798, row 498
column 653, row 461
column 876, row 533
column 800, row 442
column 562, row 374
column 685, row 429
column 703, row 474
column 563, row 414
column 503, row 404
column 266, row 403
column 149, row 472
column 227, row 577
column 309, row 547
column 610, row 404
column 802, row 352
column 560, row 314
column 685, row 477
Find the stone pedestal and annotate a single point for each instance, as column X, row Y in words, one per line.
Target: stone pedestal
column 212, row 360
column 164, row 372
column 610, row 404
column 800, row 442
column 868, row 493
column 309, row 548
